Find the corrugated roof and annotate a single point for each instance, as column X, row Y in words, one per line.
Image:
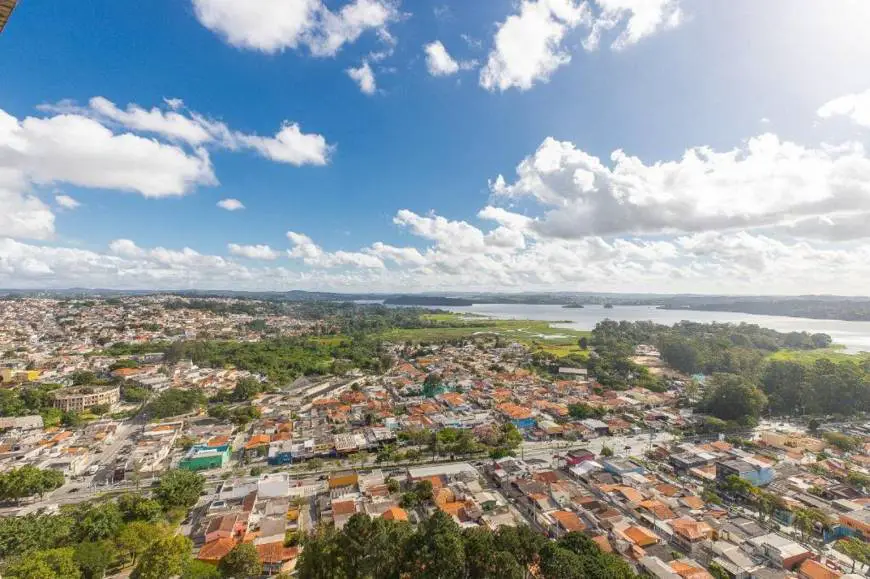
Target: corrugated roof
column 6, row 8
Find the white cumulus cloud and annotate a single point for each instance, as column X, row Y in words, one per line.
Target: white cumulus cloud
column 854, row 106
column 530, row 44
column 253, row 251
column 230, row 204
column 289, row 145
column 364, row 77
column 438, row 60
column 763, row 183
column 66, row 202
column 274, row 25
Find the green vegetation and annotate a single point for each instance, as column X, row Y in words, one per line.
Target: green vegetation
column 19, row 483
column 438, row 548
column 31, row 399
column 692, row 347
column 134, row 394
column 445, row 327
column 284, row 359
column 820, row 387
column 857, row 550
column 731, row 397
column 89, row 539
column 242, row 561
column 842, row 441
column 581, row 411
column 246, row 389
column 179, row 489
column 174, row 402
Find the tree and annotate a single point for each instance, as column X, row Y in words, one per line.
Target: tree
column 606, row 451
column 219, row 411
column 99, row 522
column 843, row 442
column 424, row 491
column 432, row 385
column 93, row 558
column 71, row 419
column 173, row 402
column 135, row 538
column 242, row 561
column 99, row 409
column 436, row 551
column 83, row 377
column 559, row 563
column 681, row 354
column 167, row 557
column 28, row 480
column 409, row 501
column 320, row 559
column 179, row 488
column 732, row 397
column 814, row 425
column 392, row 485
column 200, row 570
column 581, row 411
column 49, row 564
column 19, row 535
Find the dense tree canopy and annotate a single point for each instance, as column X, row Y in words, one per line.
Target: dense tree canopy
column 823, row 387
column 179, row 488
column 375, row 548
column 27, row 481
column 174, row 402
column 733, row 397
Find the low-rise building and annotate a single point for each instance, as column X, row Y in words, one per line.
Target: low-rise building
column 204, row 457
column 79, row 398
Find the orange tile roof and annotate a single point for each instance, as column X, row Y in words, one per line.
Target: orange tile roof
column 687, row 571
column 258, row 440
column 814, row 570
column 641, row 536
column 569, row 521
column 691, row 529
column 514, row 411
column 631, row 494
column 274, row 553
column 451, row 508
column 395, row 514
column 603, row 543
column 658, row 509
column 547, row 476
column 693, row 502
column 436, row 481
column 216, row 550
column 444, row 495
column 219, row 440
column 343, row 507
column 668, row 490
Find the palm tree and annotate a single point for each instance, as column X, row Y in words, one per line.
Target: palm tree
column 803, row 522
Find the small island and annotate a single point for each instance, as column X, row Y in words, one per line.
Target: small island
column 426, row 301
column 608, row 306
column 573, row 306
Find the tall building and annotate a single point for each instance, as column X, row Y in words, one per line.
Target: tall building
column 6, row 8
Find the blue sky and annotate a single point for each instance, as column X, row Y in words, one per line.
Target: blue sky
column 394, row 185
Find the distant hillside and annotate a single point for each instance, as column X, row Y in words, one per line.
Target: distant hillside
column 418, row 300
column 820, row 308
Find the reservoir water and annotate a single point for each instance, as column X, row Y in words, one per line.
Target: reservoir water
column 855, row 336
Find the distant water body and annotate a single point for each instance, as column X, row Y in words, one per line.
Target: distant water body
column 855, row 336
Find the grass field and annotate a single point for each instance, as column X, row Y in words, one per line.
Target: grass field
column 539, row 335
column 834, row 354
